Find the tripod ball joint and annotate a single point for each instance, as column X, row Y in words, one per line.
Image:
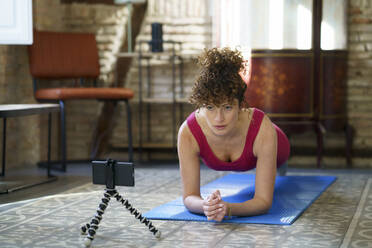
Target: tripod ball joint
column 87, row 242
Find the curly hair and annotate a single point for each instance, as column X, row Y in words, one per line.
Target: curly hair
column 218, row 80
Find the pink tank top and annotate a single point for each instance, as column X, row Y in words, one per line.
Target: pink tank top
column 247, row 160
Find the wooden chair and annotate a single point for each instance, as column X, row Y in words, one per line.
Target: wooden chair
column 62, row 56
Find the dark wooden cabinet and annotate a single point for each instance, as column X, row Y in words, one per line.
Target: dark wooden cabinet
column 282, row 83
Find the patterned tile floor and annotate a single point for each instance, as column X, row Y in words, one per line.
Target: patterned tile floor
column 340, row 217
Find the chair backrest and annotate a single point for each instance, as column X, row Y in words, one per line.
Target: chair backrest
column 56, row 55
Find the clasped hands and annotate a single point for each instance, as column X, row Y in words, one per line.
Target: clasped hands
column 214, row 208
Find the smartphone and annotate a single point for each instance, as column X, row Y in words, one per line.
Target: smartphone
column 121, row 175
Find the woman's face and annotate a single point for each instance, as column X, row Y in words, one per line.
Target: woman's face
column 223, row 119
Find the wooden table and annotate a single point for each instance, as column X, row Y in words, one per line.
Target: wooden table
column 18, row 110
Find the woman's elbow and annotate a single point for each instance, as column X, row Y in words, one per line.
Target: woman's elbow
column 186, row 202
column 192, row 204
column 265, row 206
column 184, row 199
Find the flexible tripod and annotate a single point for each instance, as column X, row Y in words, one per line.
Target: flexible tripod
column 90, row 229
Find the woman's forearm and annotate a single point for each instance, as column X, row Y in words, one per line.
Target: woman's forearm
column 194, row 204
column 256, row 206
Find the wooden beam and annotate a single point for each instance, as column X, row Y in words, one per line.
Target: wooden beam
column 107, row 116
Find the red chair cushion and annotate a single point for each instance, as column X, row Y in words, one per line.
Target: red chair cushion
column 84, row 93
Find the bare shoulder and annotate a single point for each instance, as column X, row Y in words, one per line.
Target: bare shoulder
column 265, row 136
column 267, row 124
column 184, row 132
column 186, row 139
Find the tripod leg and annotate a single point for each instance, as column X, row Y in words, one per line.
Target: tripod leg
column 138, row 215
column 93, row 226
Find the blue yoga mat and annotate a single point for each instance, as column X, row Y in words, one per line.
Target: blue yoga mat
column 292, row 196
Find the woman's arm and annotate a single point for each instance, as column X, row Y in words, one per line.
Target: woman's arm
column 265, row 149
column 188, row 154
column 188, row 150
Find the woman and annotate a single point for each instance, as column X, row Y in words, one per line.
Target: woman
column 227, row 136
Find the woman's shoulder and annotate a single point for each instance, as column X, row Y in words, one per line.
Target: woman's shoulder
column 185, row 136
column 266, row 135
column 266, row 128
column 262, row 120
column 248, row 113
column 255, row 113
column 265, row 119
column 184, row 130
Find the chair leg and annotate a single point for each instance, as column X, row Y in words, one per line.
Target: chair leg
column 320, row 130
column 4, row 148
column 63, row 135
column 349, row 133
column 129, row 127
column 49, row 141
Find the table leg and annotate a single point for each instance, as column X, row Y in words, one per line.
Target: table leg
column 49, row 141
column 4, row 148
